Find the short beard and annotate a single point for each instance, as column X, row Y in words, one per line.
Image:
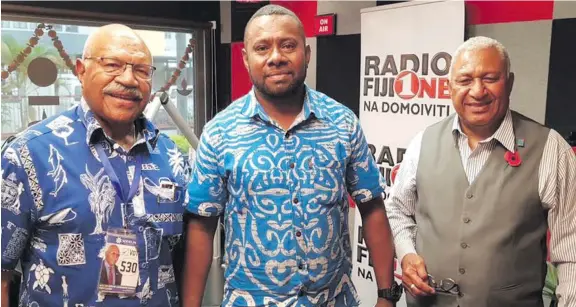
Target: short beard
column 291, row 91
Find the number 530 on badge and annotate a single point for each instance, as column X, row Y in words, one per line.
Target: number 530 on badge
column 119, row 272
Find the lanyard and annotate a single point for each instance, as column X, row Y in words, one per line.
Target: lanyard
column 114, row 178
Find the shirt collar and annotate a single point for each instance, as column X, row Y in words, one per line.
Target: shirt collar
column 147, row 132
column 312, row 105
column 504, row 134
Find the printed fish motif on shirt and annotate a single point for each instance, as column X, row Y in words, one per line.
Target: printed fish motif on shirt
column 57, row 172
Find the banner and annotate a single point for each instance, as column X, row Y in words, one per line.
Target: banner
column 406, row 54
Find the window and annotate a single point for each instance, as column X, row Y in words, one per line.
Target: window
column 24, row 102
column 19, row 25
column 72, row 29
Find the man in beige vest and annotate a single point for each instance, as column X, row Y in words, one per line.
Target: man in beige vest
column 476, row 193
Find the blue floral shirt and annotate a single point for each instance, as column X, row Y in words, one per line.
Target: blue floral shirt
column 58, row 202
column 284, row 197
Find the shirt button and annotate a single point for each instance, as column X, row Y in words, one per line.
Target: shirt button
column 466, row 220
column 464, row 245
column 298, row 234
column 461, row 270
column 295, row 200
column 469, row 195
column 292, row 165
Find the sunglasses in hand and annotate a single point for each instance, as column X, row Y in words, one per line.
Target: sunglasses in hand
column 446, row 285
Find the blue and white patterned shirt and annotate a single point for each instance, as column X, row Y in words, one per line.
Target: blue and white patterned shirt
column 58, row 202
column 284, row 196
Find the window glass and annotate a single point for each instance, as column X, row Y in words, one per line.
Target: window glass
column 24, row 102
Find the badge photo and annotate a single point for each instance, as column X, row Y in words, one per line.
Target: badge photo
column 119, row 271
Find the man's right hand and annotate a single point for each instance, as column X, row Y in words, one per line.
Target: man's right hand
column 6, row 279
column 415, row 276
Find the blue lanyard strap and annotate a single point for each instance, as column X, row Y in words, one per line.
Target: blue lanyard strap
column 114, row 178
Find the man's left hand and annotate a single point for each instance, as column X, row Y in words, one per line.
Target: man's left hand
column 384, row 303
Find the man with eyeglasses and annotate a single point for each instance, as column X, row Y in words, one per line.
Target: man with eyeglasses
column 92, row 198
column 477, row 192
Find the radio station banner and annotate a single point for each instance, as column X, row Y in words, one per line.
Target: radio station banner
column 406, row 55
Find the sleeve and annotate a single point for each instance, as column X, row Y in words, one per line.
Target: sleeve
column 207, row 191
column 18, row 207
column 401, row 203
column 363, row 178
column 560, row 197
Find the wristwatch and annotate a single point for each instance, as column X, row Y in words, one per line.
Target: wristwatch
column 391, row 294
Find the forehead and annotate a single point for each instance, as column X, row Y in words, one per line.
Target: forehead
column 485, row 60
column 273, row 27
column 122, row 45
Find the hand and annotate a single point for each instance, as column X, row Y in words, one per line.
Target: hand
column 384, row 303
column 414, row 275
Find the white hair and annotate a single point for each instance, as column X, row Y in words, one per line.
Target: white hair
column 479, row 43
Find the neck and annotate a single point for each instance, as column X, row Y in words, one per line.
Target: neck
column 122, row 133
column 476, row 134
column 283, row 110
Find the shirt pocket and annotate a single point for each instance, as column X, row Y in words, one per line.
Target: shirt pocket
column 164, row 203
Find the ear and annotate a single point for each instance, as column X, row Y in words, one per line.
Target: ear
column 245, row 58
column 80, row 70
column 308, row 54
column 510, row 83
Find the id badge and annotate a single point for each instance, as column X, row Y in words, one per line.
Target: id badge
column 119, row 271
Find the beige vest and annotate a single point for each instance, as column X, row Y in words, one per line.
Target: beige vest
column 489, row 236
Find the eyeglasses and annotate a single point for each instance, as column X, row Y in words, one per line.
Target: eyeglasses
column 116, row 67
column 446, row 285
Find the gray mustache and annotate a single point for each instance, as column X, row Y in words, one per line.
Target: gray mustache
column 120, row 90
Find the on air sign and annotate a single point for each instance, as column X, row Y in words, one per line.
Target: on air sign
column 325, row 25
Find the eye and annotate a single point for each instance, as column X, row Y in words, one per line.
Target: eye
column 464, row 81
column 111, row 64
column 260, row 48
column 144, row 71
column 289, row 46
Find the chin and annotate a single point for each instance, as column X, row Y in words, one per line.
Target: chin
column 123, row 117
column 282, row 91
column 479, row 122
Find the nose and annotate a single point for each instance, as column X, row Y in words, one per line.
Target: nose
column 477, row 89
column 127, row 77
column 276, row 57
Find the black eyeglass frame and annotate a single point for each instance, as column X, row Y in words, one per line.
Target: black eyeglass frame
column 446, row 285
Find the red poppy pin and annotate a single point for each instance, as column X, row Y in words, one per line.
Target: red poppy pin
column 513, row 158
column 393, row 173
